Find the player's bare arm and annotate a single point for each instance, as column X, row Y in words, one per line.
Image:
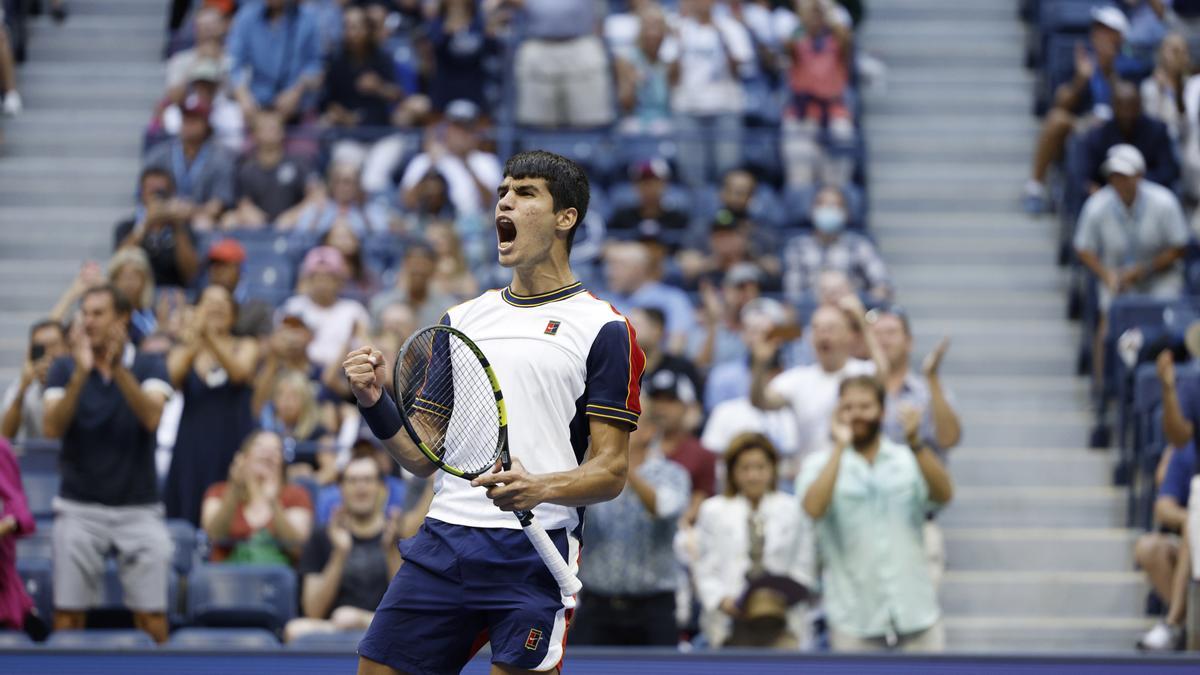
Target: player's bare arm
column 599, row 478
column 364, row 368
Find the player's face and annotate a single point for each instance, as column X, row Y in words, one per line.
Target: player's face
column 526, row 224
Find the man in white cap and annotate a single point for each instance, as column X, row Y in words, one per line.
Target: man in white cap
column 1131, row 235
column 1088, row 94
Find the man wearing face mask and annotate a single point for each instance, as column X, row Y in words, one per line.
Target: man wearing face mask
column 830, row 246
column 876, row 597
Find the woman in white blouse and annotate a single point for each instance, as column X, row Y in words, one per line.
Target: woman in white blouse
column 750, row 530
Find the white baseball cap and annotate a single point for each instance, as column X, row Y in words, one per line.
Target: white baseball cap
column 1125, row 160
column 1111, row 17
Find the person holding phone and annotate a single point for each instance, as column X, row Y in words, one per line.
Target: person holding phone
column 22, row 404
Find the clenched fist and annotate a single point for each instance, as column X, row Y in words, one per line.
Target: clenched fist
column 364, row 368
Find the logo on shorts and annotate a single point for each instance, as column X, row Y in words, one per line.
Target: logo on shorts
column 535, row 635
column 552, row 327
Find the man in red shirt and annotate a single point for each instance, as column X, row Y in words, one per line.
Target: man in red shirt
column 671, row 393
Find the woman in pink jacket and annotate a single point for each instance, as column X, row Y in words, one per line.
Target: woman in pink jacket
column 15, row 521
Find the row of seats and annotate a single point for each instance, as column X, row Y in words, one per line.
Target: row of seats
column 225, row 639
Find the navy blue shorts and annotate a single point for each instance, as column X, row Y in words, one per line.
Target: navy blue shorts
column 462, row 587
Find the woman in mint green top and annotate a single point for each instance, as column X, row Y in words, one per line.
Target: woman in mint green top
column 868, row 497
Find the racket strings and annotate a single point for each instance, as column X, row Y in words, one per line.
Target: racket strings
column 445, row 392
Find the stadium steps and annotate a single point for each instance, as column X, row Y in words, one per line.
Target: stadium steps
column 1038, row 558
column 69, row 162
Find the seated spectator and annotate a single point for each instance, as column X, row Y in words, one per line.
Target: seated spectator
column 360, row 85
column 361, row 282
column 275, row 52
column 629, row 567
column 737, row 193
column 346, row 203
column 453, row 148
column 22, row 407
column 330, row 497
column 346, row 566
column 161, row 227
column 822, row 55
column 650, row 325
column 254, row 317
column 731, row 378
column 286, row 350
column 104, row 402
column 562, row 72
column 721, row 341
column 292, row 414
column 732, row 241
column 210, row 28
column 1131, row 236
column 256, row 516
column 812, row 391
column 650, row 219
column 1130, row 126
column 832, row 247
column 644, row 79
column 270, row 185
column 452, row 274
column 1086, row 98
column 1164, row 554
column 129, row 271
column 10, row 99
column 208, row 82
column 673, row 397
column 396, row 323
column 634, row 282
column 1162, row 92
column 461, row 37
column 750, row 531
column 90, row 274
column 214, row 370
column 201, row 169
column 733, row 417
column 708, row 99
column 414, row 287
column 335, row 321
column 940, row 428
column 16, row 608
column 904, row 484
column 426, row 203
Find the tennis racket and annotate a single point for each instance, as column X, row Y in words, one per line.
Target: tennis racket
column 452, row 408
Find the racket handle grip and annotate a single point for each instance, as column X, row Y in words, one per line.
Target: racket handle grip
column 568, row 583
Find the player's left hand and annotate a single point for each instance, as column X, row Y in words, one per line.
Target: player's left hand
column 512, row 490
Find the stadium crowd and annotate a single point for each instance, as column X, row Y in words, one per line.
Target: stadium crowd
column 320, row 174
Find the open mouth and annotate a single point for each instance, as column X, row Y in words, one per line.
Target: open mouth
column 506, row 232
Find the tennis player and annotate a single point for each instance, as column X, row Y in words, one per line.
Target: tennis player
column 569, row 367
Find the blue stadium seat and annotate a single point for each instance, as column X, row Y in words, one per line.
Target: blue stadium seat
column 598, row 201
column 39, row 454
column 382, row 251
column 40, row 544
column 761, row 153
column 38, row 576
column 106, row 639
column 183, row 533
column 590, row 148
column 630, row 149
column 342, row 641
column 14, row 639
column 242, row 595
column 40, row 489
column 223, row 639
column 624, row 195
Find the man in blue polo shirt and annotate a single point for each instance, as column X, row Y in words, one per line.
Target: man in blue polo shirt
column 275, row 49
column 1165, row 555
column 104, row 402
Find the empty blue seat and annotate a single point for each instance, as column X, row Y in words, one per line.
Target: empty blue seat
column 14, row 639
column 39, row 454
column 630, row 149
column 115, row 639
column 40, row 489
column 242, row 595
column 760, row 153
column 40, row 544
column 345, row 641
column 38, row 576
column 223, row 638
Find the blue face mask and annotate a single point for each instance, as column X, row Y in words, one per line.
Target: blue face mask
column 829, row 219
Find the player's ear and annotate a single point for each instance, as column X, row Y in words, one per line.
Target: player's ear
column 566, row 219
